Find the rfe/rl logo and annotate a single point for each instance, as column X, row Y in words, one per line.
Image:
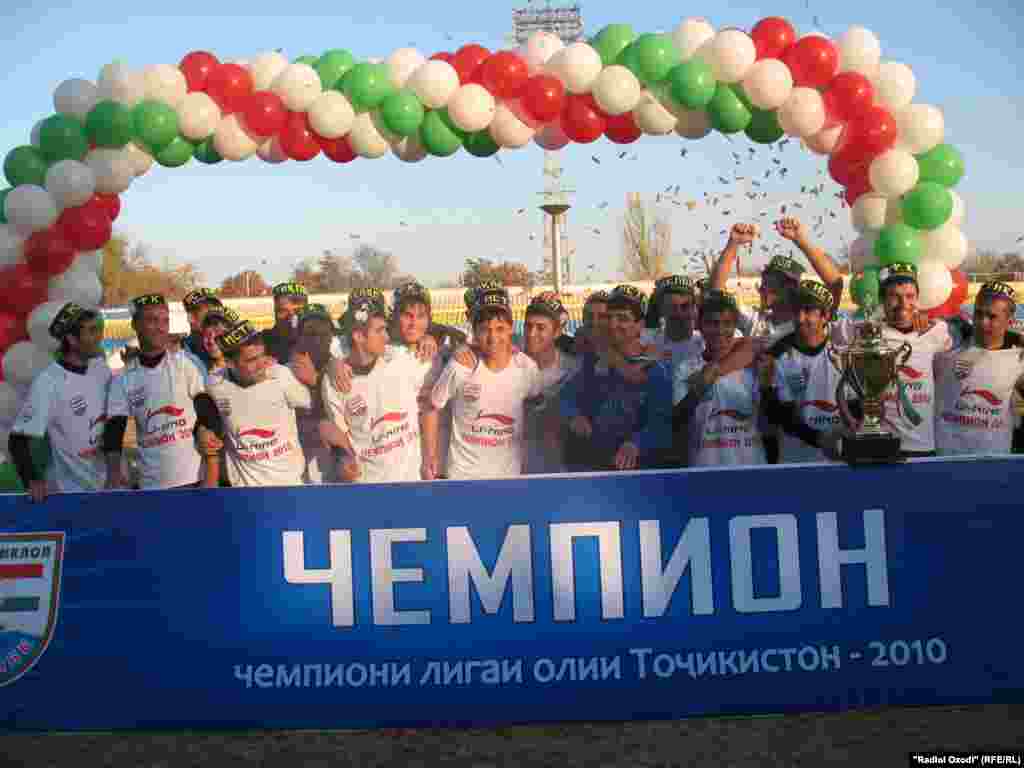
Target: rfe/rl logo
column 30, row 577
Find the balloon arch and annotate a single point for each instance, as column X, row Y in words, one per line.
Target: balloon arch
column 838, row 97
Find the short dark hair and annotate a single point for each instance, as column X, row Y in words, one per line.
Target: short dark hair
column 235, row 352
column 86, row 316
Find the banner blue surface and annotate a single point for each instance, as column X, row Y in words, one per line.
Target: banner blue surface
column 587, row 597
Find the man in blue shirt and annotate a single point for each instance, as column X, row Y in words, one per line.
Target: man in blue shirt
column 616, row 421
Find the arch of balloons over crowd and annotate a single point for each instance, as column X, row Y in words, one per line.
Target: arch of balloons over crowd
column 838, row 96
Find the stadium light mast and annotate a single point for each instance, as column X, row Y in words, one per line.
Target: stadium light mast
column 565, row 20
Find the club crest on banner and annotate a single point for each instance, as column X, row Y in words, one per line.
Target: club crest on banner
column 30, row 581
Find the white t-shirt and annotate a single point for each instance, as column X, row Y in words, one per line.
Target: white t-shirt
column 262, row 439
column 975, row 387
column 759, row 323
column 159, row 399
column 540, row 458
column 723, row 429
column 488, row 416
column 809, row 382
column 72, row 409
column 909, row 408
column 380, row 415
column 674, row 352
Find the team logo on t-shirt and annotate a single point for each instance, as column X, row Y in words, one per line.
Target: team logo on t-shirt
column 396, row 417
column 171, row 411
column 985, row 395
column 910, row 373
column 355, row 408
column 258, row 433
column 498, row 418
column 30, row 580
column 729, row 413
column 78, row 405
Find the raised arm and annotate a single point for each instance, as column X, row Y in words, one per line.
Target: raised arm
column 740, row 234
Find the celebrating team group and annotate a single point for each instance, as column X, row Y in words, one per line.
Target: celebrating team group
column 689, row 378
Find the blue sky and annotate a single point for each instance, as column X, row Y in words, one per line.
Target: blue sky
column 239, row 215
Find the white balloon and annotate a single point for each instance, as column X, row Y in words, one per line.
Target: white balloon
column 140, row 159
column 894, row 211
column 894, row 85
column 471, row 107
column 366, row 138
column 507, row 129
column 768, row 84
column 265, row 68
column 298, row 85
column 893, row 173
column 959, row 210
column 114, row 169
column 11, row 246
column 824, row 141
column 576, row 65
column 165, row 83
column 692, row 123
column 690, row 35
column 409, row 149
column 9, row 406
column 868, row 212
column 803, row 114
column 616, row 90
column 652, row 117
column 934, row 284
column 198, row 116
column 331, row 115
column 539, row 48
column 733, row 53
column 551, row 137
column 921, row 128
column 270, row 151
column 38, row 324
column 75, row 97
column 70, row 183
column 231, row 140
column 946, row 245
column 859, row 51
column 23, row 362
column 90, row 262
column 862, row 252
column 29, row 209
column 434, row 82
column 402, row 63
column 78, row 285
column 125, row 86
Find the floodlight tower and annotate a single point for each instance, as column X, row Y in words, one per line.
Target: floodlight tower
column 565, row 20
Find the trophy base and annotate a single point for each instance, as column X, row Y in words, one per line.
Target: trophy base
column 871, row 449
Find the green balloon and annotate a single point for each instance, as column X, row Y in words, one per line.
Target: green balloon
column 742, row 96
column 175, row 154
column 332, row 66
column 367, row 85
column 9, row 480
column 897, row 244
column 156, row 124
column 25, row 165
column 943, row 164
column 481, row 144
column 927, row 206
column 764, row 127
column 628, row 59
column 865, row 288
column 3, row 196
column 62, row 138
column 109, row 124
column 205, row 152
column 656, row 55
column 727, row 111
column 310, row 60
column 693, row 84
column 611, row 41
column 402, row 112
column 439, row 134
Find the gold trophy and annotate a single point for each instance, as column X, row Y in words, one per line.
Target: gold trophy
column 869, row 366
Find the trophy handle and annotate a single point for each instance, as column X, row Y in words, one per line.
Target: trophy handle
column 903, row 354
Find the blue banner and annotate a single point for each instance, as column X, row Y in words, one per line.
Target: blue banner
column 589, row 597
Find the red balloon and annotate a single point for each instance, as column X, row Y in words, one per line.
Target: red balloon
column 503, row 74
column 230, row 85
column 12, row 330
column 622, row 129
column 582, row 120
column 846, row 167
column 21, row 289
column 297, row 139
column 48, row 252
column 848, row 95
column 870, row 133
column 772, row 36
column 86, row 227
column 859, row 185
column 467, row 59
column 443, row 56
column 264, row 113
column 196, row 67
column 543, row 97
column 960, row 289
column 813, row 61
column 338, row 150
column 109, row 204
